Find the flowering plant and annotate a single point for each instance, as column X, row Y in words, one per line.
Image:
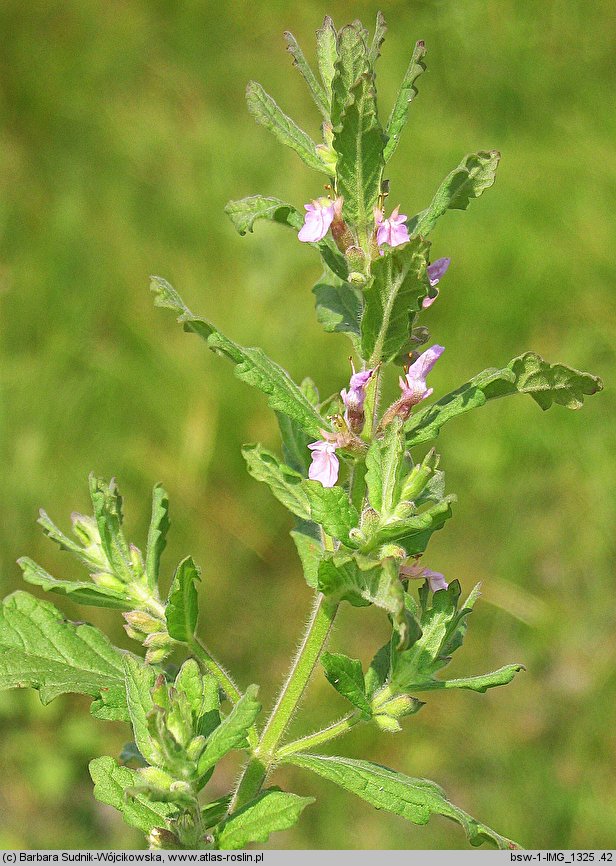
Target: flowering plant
column 366, row 501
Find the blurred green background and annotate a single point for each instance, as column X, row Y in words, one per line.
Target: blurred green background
column 123, row 133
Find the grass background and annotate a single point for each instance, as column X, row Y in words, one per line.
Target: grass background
column 123, row 131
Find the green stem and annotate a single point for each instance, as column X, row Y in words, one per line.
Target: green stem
column 264, row 755
column 317, row 632
column 319, row 737
column 200, row 651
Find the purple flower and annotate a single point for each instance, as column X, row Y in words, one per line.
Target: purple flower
column 416, row 571
column 436, row 271
column 393, row 230
column 325, row 464
column 414, row 388
column 319, row 216
column 353, row 400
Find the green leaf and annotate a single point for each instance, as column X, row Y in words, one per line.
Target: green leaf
column 266, row 112
column 398, row 287
column 380, row 31
column 307, row 538
column 91, row 561
column 362, row 581
column 350, row 65
column 384, row 464
column 359, row 143
column 479, row 683
column 377, row 673
column 269, row 812
column 294, row 440
column 183, row 601
column 443, row 627
column 111, row 786
column 338, row 306
column 232, row 733
column 214, row 812
column 327, row 54
column 203, row 697
column 245, row 212
column 314, row 85
column 252, row 365
column 107, row 505
column 469, row 180
column 331, row 509
column 406, row 94
column 412, row 533
column 347, row 677
column 413, row 799
column 79, row 591
column 139, row 684
column 284, row 482
column 527, row 374
column 111, row 705
column 42, row 650
column 157, row 534
column 550, row 384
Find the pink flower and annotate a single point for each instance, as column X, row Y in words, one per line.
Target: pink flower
column 354, row 398
column 392, row 231
column 416, row 572
column 436, row 271
column 319, row 216
column 325, row 464
column 414, row 388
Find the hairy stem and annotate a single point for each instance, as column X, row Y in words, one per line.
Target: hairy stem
column 264, row 755
column 319, row 737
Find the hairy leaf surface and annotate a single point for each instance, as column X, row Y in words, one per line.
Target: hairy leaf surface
column 266, row 112
column 182, row 608
column 475, row 174
column 252, row 365
column 269, row 812
column 546, row 383
column 40, row 649
column 398, row 287
column 413, row 799
column 406, row 94
column 111, row 786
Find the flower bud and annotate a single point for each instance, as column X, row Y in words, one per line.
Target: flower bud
column 393, row 551
column 143, row 621
column 387, row 723
column 357, row 279
column 369, row 519
column 103, row 578
column 180, row 787
column 419, row 476
column 156, row 656
column 86, row 529
column 137, row 561
column 195, row 748
column 401, row 705
column 356, row 259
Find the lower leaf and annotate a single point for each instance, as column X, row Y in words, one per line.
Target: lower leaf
column 413, row 799
column 111, row 784
column 269, row 812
